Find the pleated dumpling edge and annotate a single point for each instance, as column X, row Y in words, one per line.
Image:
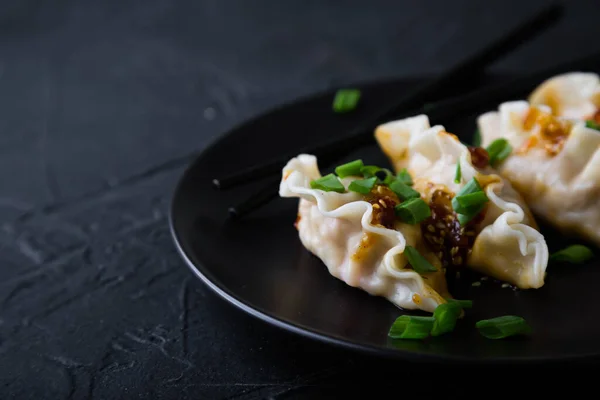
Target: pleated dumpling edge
column 336, row 227
column 508, row 245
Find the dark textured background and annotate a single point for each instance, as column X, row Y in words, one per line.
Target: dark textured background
column 103, row 104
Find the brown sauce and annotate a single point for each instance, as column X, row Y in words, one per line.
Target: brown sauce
column 479, row 156
column 383, row 200
column 553, row 132
column 444, row 235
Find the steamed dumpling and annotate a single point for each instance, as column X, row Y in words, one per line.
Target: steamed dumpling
column 502, row 241
column 555, row 162
column 571, row 95
column 354, row 237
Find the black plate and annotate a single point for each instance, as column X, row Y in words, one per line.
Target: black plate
column 259, row 264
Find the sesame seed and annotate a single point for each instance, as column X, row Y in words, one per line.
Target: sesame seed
column 430, row 228
column 382, row 203
column 454, row 250
column 443, row 233
column 505, row 285
column 476, row 284
column 376, row 206
column 440, row 225
column 485, row 278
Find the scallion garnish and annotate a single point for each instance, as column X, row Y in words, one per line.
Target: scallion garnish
column 346, row 100
column 328, row 183
column 477, row 138
column 502, row 327
column 418, row 262
column 411, row 327
column 405, row 177
column 498, row 150
column 369, row 171
column 574, row 254
column 458, row 173
column 471, row 186
column 383, row 175
column 464, row 219
column 403, row 191
column 590, row 123
column 352, row 168
column 469, row 201
column 462, row 303
column 389, row 179
column 445, row 315
column 413, row 211
column 362, row 186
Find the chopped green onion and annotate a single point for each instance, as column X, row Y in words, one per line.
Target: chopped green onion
column 413, row 211
column 349, row 169
column 346, row 100
column 464, row 219
column 469, row 203
column 446, row 315
column 389, row 179
column 502, row 327
column 477, row 138
column 383, row 175
column 470, row 187
column 590, row 123
column 405, row 177
column 458, row 173
column 462, row 303
column 328, row 183
column 574, row 254
column 362, row 186
column 498, row 150
column 418, row 262
column 369, row 171
column 411, row 327
column 403, row 191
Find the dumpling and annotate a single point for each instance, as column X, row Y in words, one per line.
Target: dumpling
column 555, row 158
column 359, row 239
column 501, row 239
column 571, row 95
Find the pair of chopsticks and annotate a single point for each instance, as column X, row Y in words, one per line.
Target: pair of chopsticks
column 472, row 64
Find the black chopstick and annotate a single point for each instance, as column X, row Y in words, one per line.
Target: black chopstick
column 491, row 94
column 465, row 68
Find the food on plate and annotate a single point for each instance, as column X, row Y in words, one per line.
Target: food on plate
column 478, row 220
column 554, row 160
column 348, row 220
column 397, row 234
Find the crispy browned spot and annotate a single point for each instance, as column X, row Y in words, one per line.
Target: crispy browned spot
column 597, row 116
